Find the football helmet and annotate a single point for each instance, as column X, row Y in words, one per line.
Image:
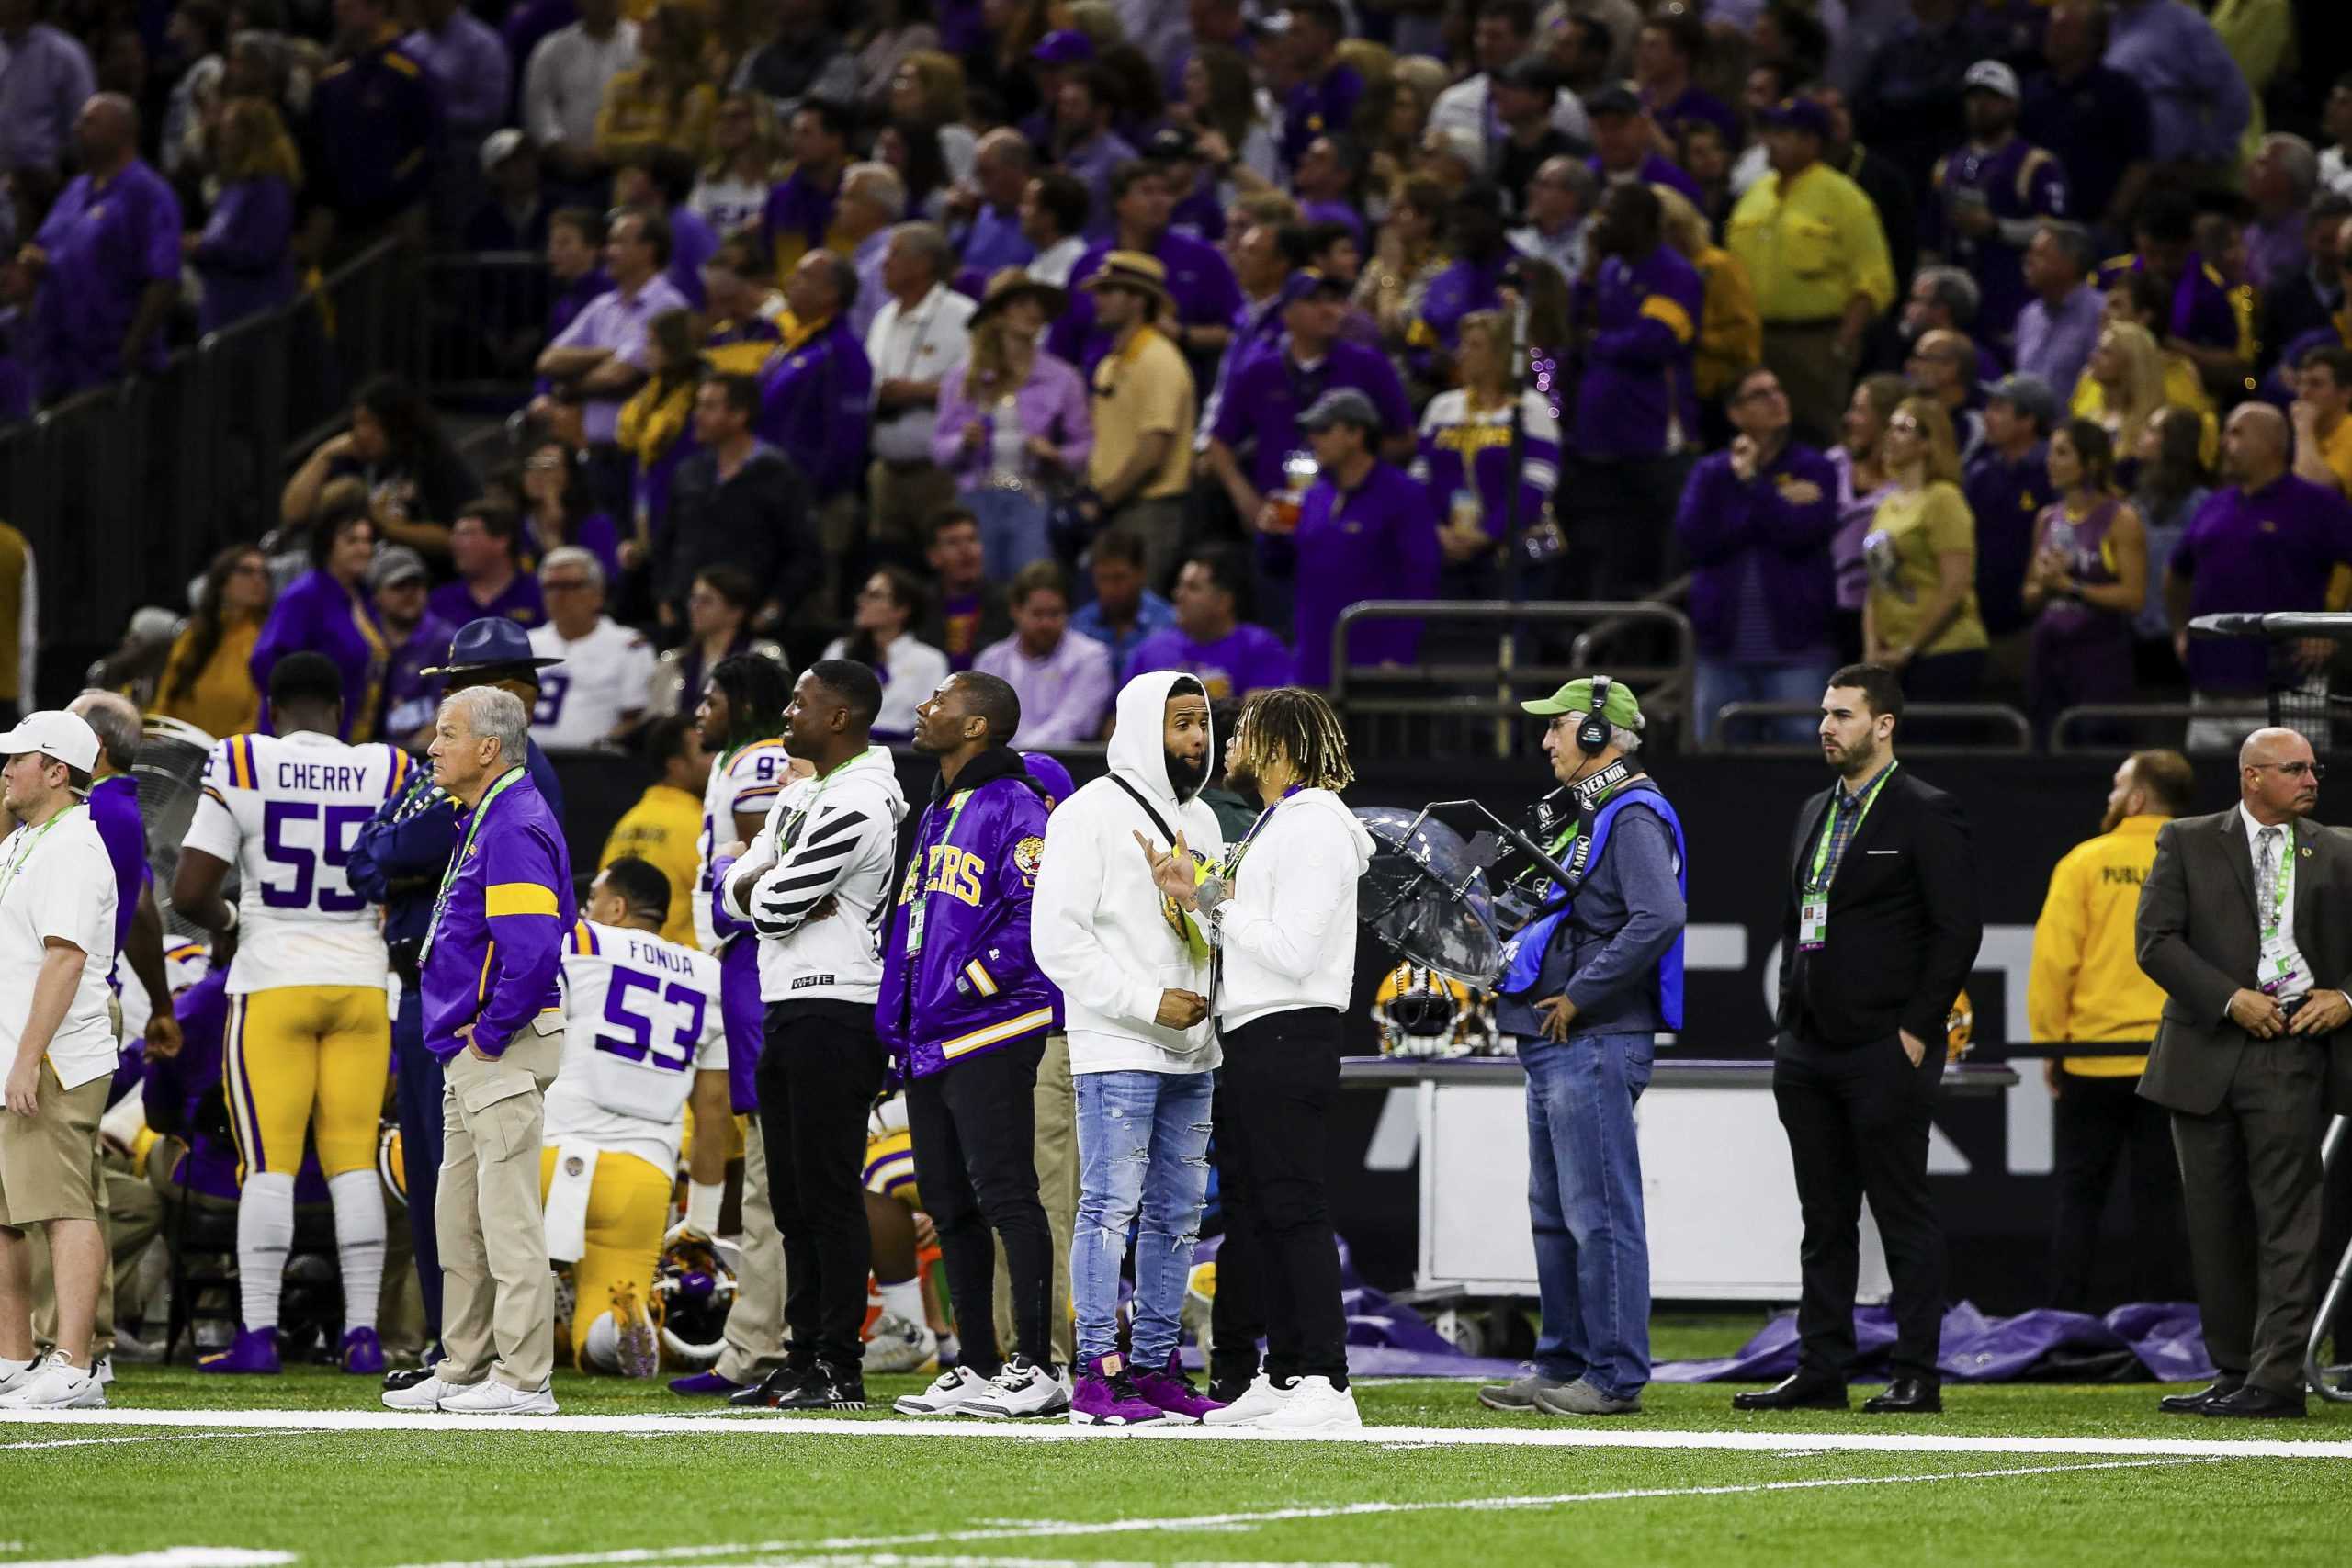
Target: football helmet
column 389, row 1163
column 693, row 1290
column 1959, row 1028
column 1424, row 1013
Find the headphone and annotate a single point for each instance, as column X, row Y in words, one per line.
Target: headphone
column 1592, row 734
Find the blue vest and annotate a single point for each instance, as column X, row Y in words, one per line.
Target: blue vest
column 1524, row 955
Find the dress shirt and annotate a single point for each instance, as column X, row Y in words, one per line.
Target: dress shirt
column 563, row 85
column 45, row 77
column 467, row 60
column 2198, row 101
column 918, row 345
column 2282, row 847
column 2054, row 341
column 617, row 320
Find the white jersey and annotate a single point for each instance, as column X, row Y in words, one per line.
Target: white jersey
column 744, row 783
column 641, row 1017
column 284, row 810
column 603, row 677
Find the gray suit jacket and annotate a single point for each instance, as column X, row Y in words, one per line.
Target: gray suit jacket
column 2198, row 940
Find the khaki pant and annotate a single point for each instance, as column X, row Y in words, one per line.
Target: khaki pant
column 903, row 499
column 497, row 1293
column 1162, row 525
column 836, row 541
column 1817, row 378
column 1057, row 1106
column 755, row 1323
column 131, row 1213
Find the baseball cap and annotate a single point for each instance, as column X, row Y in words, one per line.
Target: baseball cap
column 1614, row 98
column 1067, row 47
column 1531, row 73
column 54, row 733
column 2027, row 393
column 1307, row 283
column 499, row 146
column 1623, row 709
column 395, row 564
column 1991, row 76
column 1170, row 143
column 1341, row 405
column 1798, row 114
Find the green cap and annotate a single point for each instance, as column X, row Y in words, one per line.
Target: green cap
column 1624, row 709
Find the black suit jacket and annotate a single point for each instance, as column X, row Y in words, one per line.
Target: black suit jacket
column 1903, row 920
column 2199, row 938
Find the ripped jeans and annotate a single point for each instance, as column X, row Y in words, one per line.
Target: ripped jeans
column 1143, row 1142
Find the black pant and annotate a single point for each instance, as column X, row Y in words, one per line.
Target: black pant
column 2099, row 1121
column 2251, row 1171
column 1237, row 1314
column 1857, row 1120
column 1282, row 1074
column 975, row 1129
column 820, row 1070
column 1621, row 523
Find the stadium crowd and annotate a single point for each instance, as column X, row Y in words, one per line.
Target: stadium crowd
column 1986, row 341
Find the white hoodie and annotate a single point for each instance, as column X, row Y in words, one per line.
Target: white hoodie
column 1288, row 933
column 1096, row 922
column 837, row 838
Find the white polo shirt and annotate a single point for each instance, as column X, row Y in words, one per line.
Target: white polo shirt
column 57, row 881
column 921, row 345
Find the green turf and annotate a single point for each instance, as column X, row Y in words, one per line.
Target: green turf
column 381, row 1499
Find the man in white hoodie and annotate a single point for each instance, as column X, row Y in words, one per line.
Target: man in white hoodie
column 1280, row 913
column 811, row 886
column 1134, row 973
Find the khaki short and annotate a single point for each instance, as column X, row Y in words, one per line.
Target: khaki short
column 49, row 1161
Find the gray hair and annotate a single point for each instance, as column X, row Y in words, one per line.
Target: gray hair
column 1627, row 741
column 1571, row 174
column 115, row 719
column 929, row 242
column 1954, row 291
column 2297, row 160
column 2075, row 241
column 879, row 184
column 1005, row 145
column 573, row 555
column 494, row 714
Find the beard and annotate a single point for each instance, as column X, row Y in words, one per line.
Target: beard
column 2112, row 820
column 1186, row 776
column 1241, row 782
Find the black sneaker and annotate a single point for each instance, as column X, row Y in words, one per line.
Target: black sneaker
column 771, row 1392
column 826, row 1388
column 1230, row 1383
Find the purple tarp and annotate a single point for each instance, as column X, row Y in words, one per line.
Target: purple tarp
column 2160, row 1342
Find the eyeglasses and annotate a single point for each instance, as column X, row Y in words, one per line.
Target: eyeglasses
column 2296, row 769
column 1904, row 422
column 250, row 569
column 565, row 585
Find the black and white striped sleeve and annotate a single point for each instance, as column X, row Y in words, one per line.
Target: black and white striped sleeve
column 831, row 846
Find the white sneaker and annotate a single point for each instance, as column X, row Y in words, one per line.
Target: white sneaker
column 1262, row 1400
column 948, row 1395
column 14, row 1377
column 899, row 1346
column 1022, row 1389
column 425, row 1395
column 1313, row 1405
column 102, row 1370
column 57, row 1384
column 490, row 1397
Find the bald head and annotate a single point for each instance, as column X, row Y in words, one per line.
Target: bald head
column 2278, row 776
column 116, row 720
column 2254, row 445
column 107, row 132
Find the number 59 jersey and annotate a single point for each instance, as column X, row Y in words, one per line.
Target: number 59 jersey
column 284, row 810
column 641, row 1017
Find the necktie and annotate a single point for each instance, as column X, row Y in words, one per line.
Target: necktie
column 2267, row 878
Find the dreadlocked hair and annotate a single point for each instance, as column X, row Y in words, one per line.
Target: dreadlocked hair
column 758, row 689
column 1296, row 725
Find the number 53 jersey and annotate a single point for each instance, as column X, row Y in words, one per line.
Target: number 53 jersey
column 284, row 810
column 641, row 1017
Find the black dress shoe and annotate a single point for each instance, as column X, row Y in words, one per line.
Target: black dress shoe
column 771, row 1392
column 1906, row 1396
column 1795, row 1393
column 2221, row 1387
column 2256, row 1404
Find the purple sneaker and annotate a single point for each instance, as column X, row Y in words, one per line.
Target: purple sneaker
column 706, row 1383
column 362, row 1353
column 252, row 1350
column 1107, row 1397
column 1173, row 1392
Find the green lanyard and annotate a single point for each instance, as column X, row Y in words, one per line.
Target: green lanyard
column 918, row 897
column 2282, row 886
column 32, row 843
column 458, row 860
column 1814, row 882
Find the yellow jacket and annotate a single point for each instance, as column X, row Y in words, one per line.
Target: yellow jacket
column 1731, row 334
column 1811, row 247
column 2086, row 984
column 664, row 828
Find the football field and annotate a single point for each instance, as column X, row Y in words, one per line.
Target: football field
column 187, row 1472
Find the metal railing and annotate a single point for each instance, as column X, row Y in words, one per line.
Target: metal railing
column 126, row 490
column 1922, row 722
column 484, row 322
column 1455, row 706
column 2100, row 721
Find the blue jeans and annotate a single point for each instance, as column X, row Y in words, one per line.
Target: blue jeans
column 1722, row 681
column 1012, row 530
column 1143, row 1152
column 1584, row 1194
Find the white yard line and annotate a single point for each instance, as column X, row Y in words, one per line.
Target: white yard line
column 170, row 1557
column 96, row 1442
column 795, row 1554
column 1551, row 1434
